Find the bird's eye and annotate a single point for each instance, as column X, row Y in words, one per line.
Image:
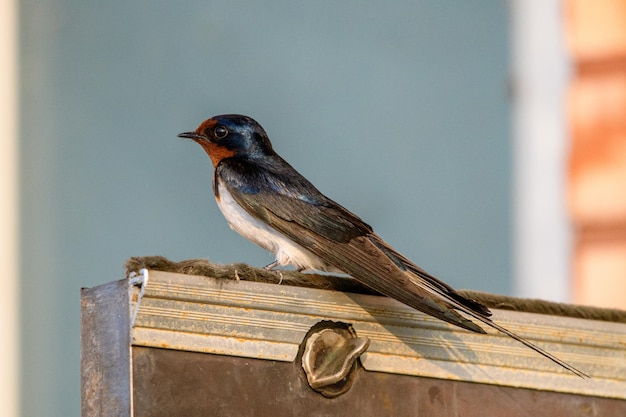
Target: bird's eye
column 220, row 132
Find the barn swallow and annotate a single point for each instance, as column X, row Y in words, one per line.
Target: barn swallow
column 267, row 201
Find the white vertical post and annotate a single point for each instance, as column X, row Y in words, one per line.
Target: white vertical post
column 542, row 230
column 9, row 364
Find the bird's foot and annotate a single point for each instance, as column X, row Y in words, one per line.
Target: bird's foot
column 271, row 266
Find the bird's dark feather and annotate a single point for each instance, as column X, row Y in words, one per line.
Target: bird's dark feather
column 436, row 284
column 295, row 208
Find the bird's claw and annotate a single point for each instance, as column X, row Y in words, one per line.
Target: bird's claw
column 271, row 266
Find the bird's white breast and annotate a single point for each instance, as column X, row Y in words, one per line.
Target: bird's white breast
column 287, row 252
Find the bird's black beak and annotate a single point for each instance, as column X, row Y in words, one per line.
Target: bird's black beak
column 191, row 135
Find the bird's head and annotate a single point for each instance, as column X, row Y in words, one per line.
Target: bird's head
column 231, row 135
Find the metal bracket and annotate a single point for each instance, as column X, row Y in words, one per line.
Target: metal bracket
column 330, row 357
column 137, row 280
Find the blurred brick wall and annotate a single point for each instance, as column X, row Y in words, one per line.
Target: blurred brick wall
column 596, row 33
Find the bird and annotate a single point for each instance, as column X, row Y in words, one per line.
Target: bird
column 268, row 202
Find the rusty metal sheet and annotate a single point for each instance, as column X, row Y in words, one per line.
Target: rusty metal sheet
column 174, row 383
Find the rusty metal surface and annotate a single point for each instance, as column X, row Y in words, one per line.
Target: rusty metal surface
column 268, row 321
column 172, row 383
column 105, row 350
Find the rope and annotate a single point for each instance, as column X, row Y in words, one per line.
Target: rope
column 246, row 272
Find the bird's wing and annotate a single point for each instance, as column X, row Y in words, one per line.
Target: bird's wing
column 329, row 231
column 337, row 236
column 363, row 259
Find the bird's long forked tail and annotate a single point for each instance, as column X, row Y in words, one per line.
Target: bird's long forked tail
column 458, row 320
column 470, row 307
column 454, row 303
column 528, row 344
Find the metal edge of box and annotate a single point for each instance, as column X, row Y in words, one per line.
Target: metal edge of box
column 267, row 321
column 105, row 350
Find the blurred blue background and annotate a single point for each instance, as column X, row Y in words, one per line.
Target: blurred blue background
column 401, row 113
